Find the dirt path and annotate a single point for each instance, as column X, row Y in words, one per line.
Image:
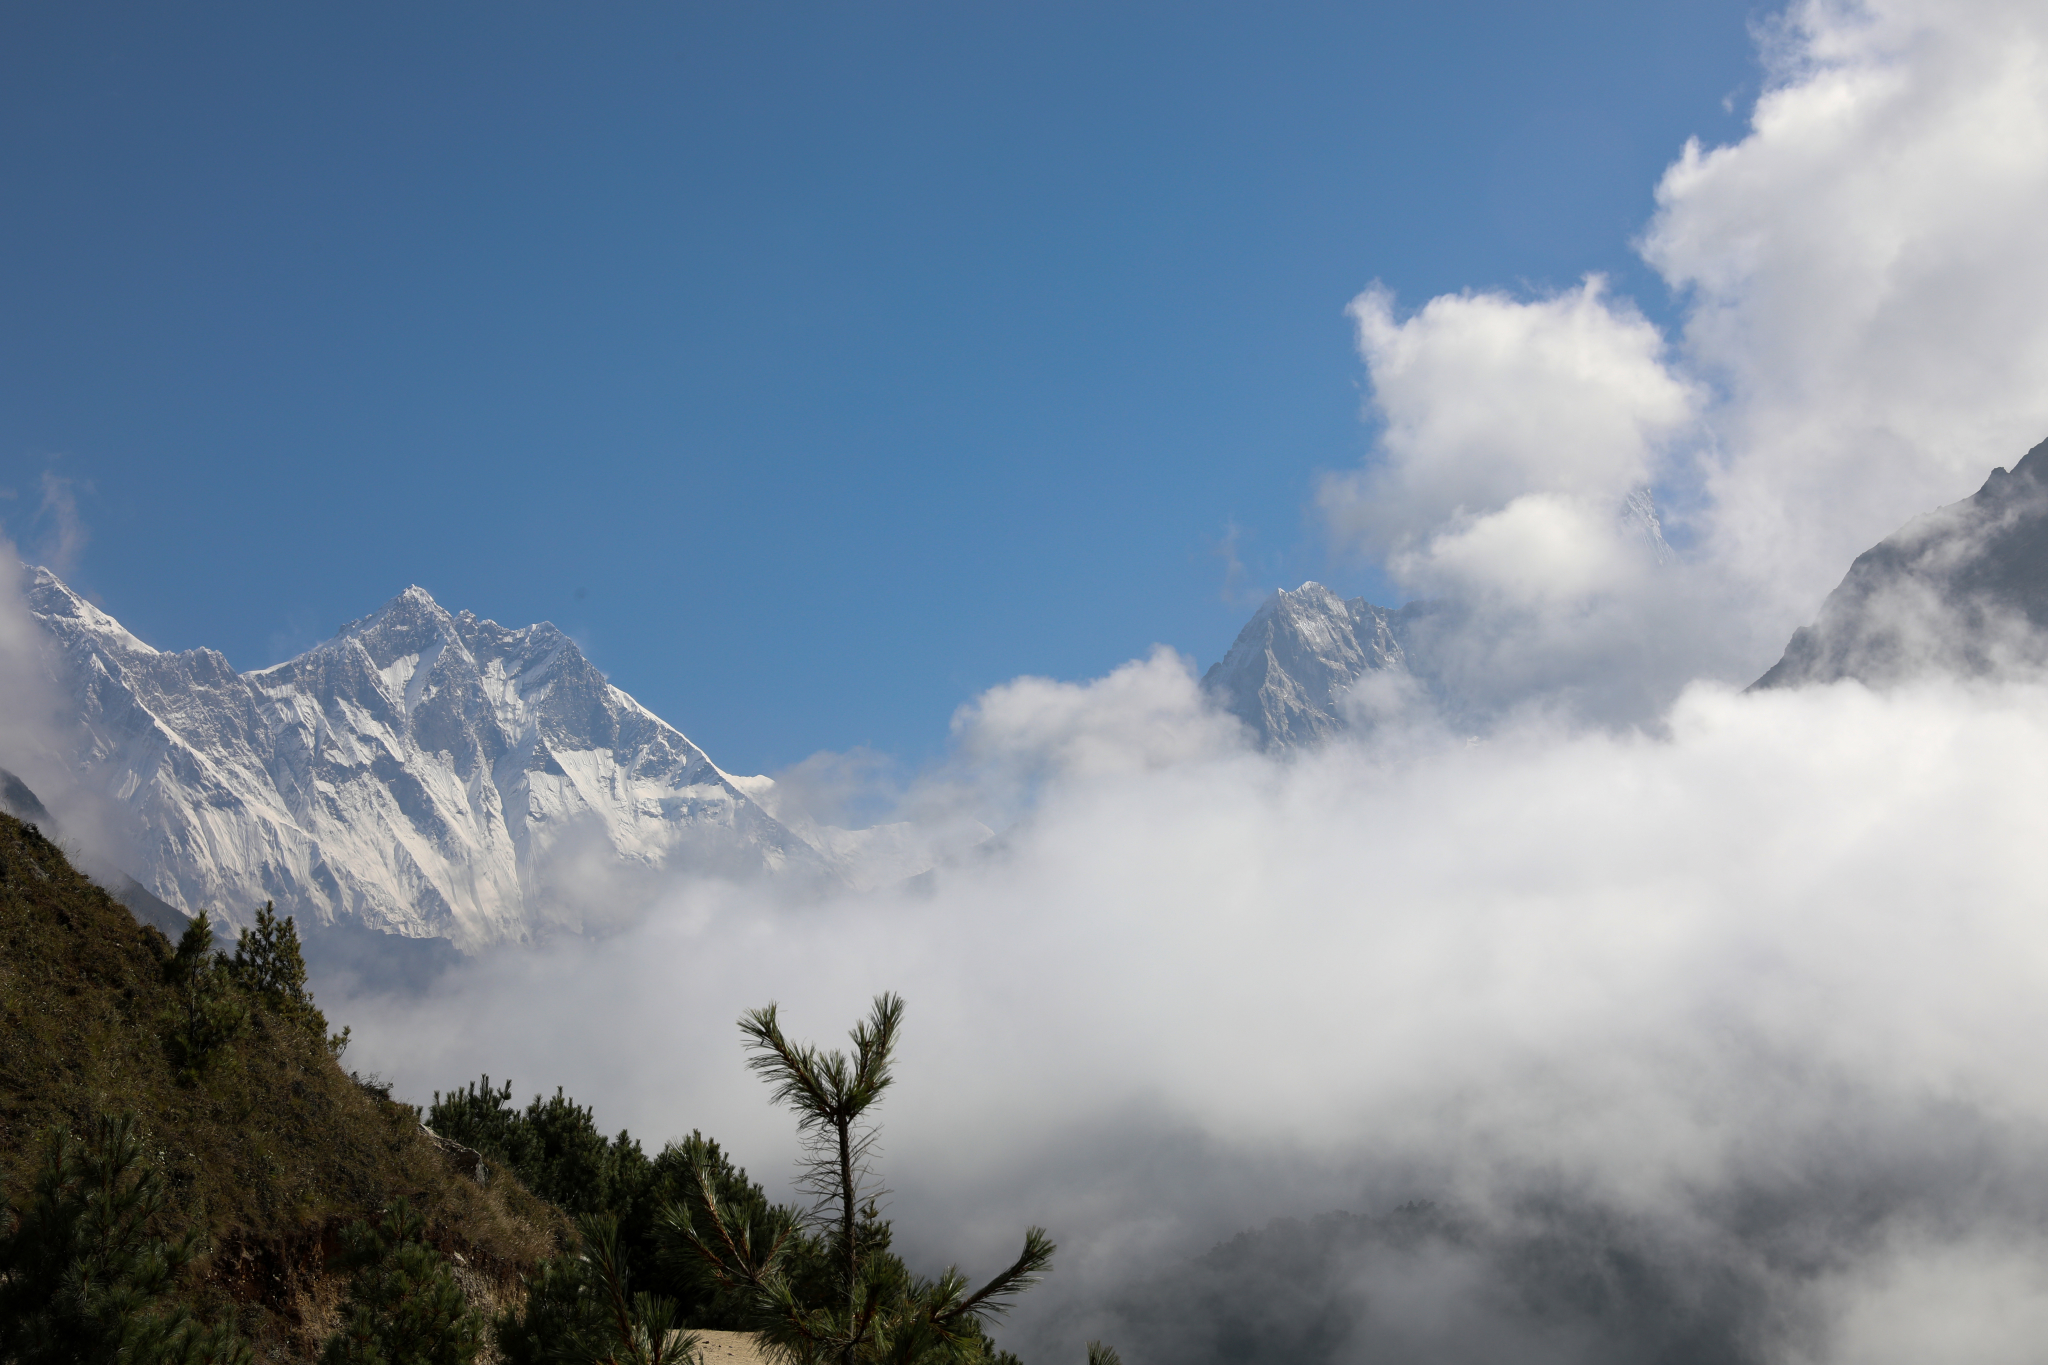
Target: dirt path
column 730, row 1348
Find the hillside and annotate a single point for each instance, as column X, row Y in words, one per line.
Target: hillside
column 272, row 1151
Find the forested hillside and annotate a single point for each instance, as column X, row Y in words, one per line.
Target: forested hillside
column 190, row 1175
column 258, row 1139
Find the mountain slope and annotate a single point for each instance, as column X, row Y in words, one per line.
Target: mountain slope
column 269, row 1151
column 421, row 773
column 1287, row 673
column 1963, row 589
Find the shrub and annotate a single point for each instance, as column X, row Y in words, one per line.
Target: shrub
column 403, row 1306
column 554, row 1147
column 85, row 1275
column 581, row 1308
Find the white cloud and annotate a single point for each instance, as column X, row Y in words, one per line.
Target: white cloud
column 1487, row 400
column 1790, row 951
column 1867, row 278
column 1865, row 336
column 1514, row 431
column 1983, row 1299
column 1146, row 715
column 1540, row 548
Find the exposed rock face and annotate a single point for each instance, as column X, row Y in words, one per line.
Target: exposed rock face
column 421, row 773
column 1287, row 673
column 21, row 803
column 1961, row 589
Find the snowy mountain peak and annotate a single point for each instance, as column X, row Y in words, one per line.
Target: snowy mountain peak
column 1287, row 673
column 53, row 602
column 420, row 773
column 407, row 624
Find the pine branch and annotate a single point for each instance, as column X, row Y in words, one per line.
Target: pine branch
column 1035, row 1259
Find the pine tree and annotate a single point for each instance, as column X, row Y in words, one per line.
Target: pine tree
column 209, row 1012
column 871, row 1310
column 271, row 966
column 85, row 1277
column 403, row 1306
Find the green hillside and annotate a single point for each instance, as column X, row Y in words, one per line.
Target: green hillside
column 264, row 1143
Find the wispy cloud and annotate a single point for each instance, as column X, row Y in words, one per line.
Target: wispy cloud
column 63, row 533
column 1224, row 549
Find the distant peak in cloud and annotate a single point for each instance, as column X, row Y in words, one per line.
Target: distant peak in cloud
column 1863, row 288
column 1963, row 589
column 1292, row 666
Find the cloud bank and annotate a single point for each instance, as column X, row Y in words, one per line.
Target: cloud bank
column 1764, row 989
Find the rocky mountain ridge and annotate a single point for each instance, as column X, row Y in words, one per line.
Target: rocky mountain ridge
column 1963, row 588
column 441, row 777
column 422, row 773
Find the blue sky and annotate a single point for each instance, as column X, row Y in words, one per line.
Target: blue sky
column 818, row 366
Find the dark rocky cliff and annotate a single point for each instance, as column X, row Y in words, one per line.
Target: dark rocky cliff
column 1963, row 589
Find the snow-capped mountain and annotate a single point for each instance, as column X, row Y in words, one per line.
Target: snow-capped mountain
column 1963, row 588
column 1287, row 673
column 421, row 773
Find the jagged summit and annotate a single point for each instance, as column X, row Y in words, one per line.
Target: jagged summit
column 1962, row 589
column 1287, row 673
column 423, row 773
column 404, row 616
column 52, row 601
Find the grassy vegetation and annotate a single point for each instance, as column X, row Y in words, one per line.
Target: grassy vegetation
column 269, row 1148
column 192, row 1102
